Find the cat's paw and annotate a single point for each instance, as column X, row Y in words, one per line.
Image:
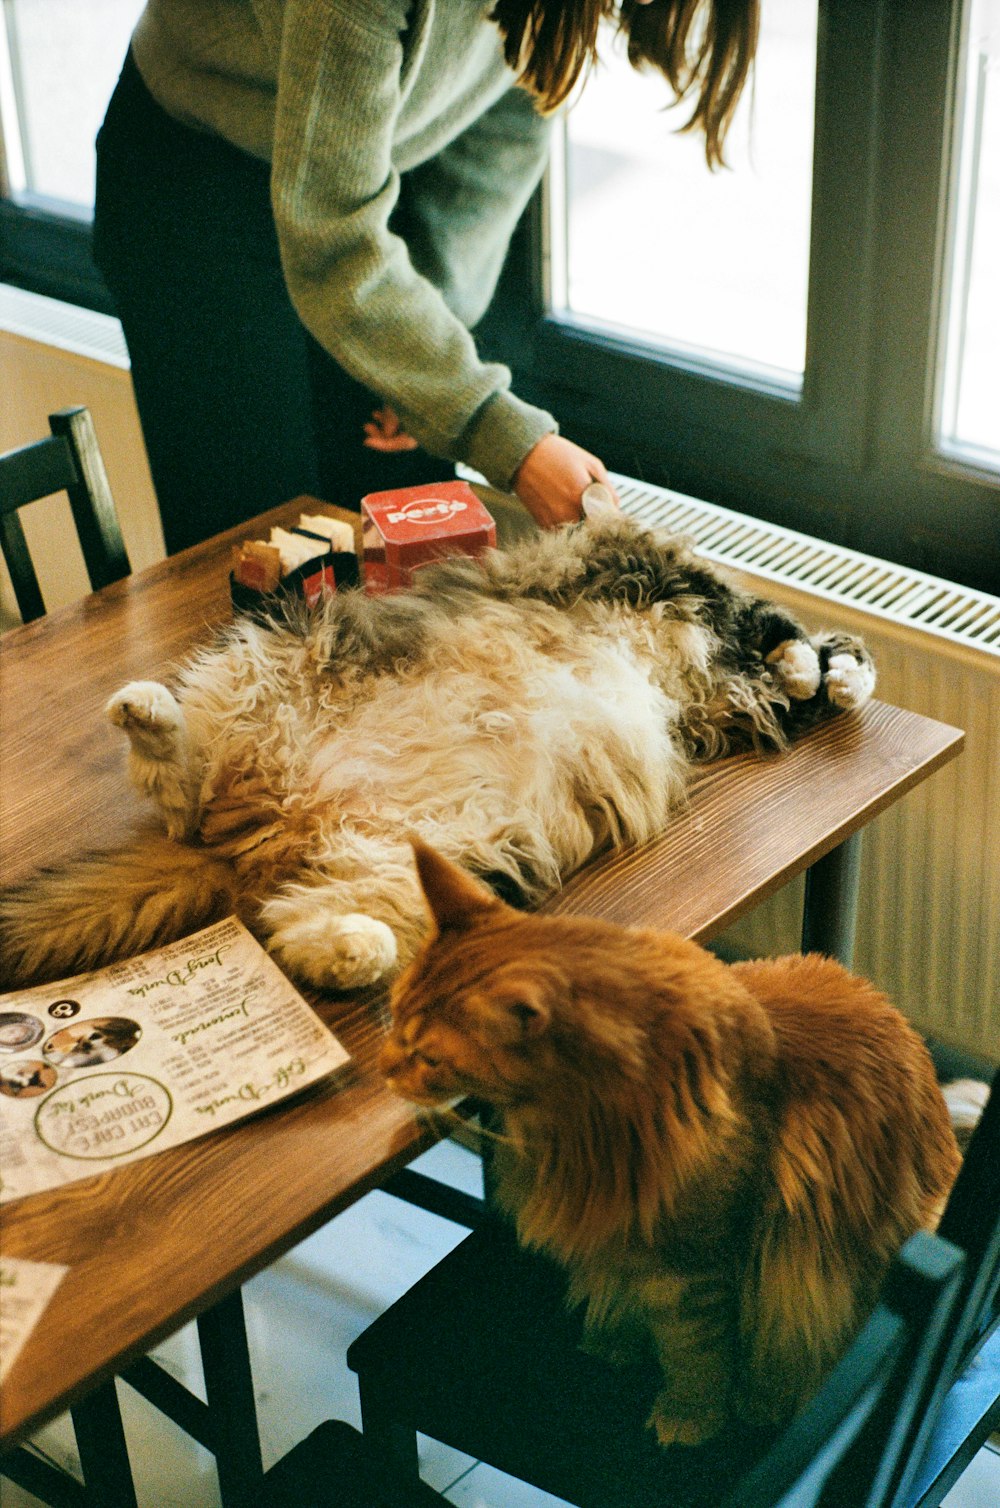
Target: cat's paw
column 158, row 759
column 796, row 665
column 849, row 681
column 674, row 1426
column 335, row 952
column 149, row 713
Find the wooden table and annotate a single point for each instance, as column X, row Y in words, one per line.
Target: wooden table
column 154, row 1244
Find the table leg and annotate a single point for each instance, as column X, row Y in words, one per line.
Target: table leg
column 48, row 1483
column 830, row 912
column 100, row 1440
column 229, row 1392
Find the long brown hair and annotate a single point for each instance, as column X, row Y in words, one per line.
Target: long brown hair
column 704, row 49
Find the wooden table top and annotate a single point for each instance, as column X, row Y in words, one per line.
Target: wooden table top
column 152, row 1244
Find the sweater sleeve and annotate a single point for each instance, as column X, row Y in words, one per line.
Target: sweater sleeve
column 352, row 280
column 459, row 210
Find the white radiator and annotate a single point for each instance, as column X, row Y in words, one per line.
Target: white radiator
column 929, row 918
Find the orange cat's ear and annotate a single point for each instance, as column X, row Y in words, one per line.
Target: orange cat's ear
column 454, row 897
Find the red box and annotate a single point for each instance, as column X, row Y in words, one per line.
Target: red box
column 411, row 526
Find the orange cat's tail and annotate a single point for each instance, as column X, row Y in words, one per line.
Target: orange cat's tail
column 106, row 906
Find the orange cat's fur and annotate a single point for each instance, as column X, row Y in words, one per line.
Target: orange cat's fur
column 723, row 1158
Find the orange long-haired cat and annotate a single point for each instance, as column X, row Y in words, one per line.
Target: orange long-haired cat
column 723, row 1158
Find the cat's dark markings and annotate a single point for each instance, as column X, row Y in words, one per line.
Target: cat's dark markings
column 724, row 1159
column 521, row 712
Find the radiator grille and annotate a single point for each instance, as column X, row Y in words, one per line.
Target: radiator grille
column 826, row 571
column 65, row 326
column 929, row 914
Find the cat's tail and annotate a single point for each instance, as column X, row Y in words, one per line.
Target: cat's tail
column 106, row 906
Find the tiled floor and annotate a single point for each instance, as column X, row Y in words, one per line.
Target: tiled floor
column 302, row 1313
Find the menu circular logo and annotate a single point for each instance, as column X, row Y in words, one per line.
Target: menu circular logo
column 103, row 1115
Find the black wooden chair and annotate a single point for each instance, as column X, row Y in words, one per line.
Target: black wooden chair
column 69, row 460
column 335, row 1467
column 482, row 1355
column 961, row 1403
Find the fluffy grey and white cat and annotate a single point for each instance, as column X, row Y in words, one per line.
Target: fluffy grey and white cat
column 519, row 712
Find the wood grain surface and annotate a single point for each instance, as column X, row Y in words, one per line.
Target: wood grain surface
column 153, row 1244
column 754, row 821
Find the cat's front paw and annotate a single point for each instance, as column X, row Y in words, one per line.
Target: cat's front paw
column 335, row 952
column 796, row 665
column 676, row 1426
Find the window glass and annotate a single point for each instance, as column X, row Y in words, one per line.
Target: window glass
column 62, row 60
column 645, row 239
column 969, row 397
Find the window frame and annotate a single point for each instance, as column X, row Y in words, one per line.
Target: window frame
column 852, row 457
column 45, row 247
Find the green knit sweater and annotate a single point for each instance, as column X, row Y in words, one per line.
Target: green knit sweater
column 365, row 108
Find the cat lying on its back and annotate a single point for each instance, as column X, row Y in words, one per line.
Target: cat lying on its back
column 724, row 1159
column 520, row 712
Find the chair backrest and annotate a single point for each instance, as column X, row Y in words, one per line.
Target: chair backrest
column 971, row 1222
column 69, row 461
column 831, row 1455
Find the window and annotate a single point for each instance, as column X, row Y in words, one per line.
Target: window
column 643, row 235
column 59, row 60
column 811, row 335
column 63, row 59
column 968, row 398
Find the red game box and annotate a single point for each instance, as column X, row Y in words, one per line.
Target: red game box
column 411, row 526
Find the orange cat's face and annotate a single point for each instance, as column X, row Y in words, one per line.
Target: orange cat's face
column 471, row 1014
column 451, row 1037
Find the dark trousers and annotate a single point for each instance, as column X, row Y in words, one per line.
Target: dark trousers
column 241, row 409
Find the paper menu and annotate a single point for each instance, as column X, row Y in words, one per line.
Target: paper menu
column 111, row 1066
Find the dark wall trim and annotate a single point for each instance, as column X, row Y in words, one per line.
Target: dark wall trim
column 45, row 248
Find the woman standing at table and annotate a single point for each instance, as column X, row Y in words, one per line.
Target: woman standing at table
column 302, row 210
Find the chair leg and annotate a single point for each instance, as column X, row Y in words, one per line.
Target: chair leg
column 385, row 1435
column 232, row 1410
column 830, row 912
column 100, row 1439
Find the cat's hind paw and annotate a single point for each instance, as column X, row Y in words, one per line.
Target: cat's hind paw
column 849, row 681
column 676, row 1427
column 158, row 759
column 335, row 952
column 796, row 665
column 149, row 713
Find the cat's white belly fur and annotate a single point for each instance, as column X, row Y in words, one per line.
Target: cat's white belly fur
column 511, row 758
column 538, row 754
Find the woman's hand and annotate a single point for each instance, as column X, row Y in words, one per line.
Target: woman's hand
column 551, row 479
column 384, row 431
